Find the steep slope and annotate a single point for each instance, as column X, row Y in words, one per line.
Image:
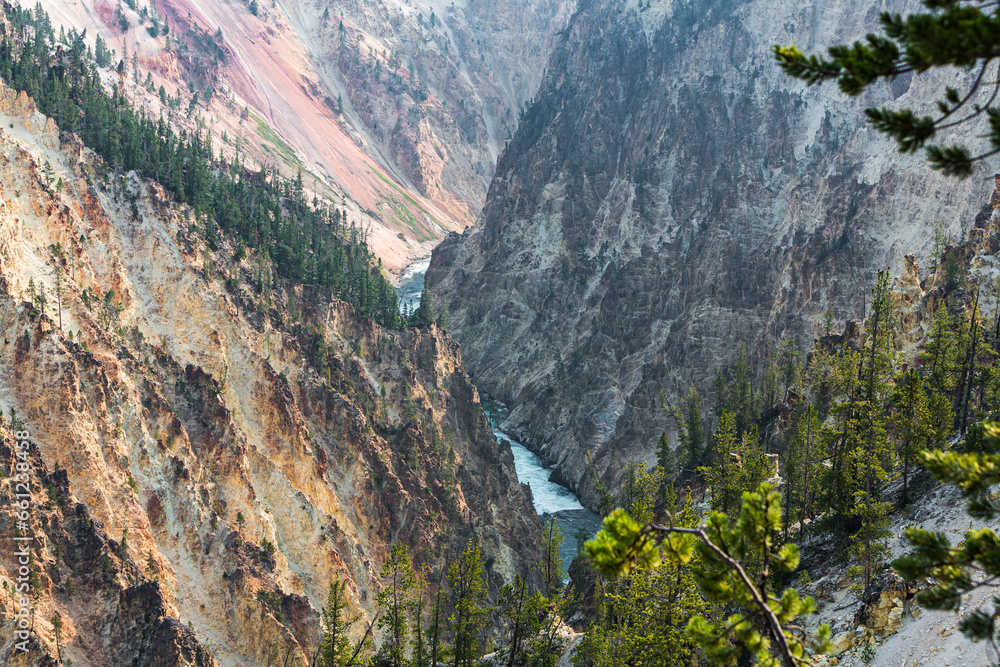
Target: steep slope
column 260, row 99
column 668, row 195
column 436, row 86
column 394, row 114
column 208, row 457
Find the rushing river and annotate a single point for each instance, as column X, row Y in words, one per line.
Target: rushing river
column 550, row 498
column 577, row 522
column 411, row 285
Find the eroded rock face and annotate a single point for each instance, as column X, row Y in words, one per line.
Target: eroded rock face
column 211, row 455
column 437, row 88
column 668, row 195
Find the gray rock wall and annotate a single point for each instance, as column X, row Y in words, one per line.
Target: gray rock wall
column 668, row 195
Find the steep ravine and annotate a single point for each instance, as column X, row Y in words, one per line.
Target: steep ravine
column 247, row 446
column 668, row 195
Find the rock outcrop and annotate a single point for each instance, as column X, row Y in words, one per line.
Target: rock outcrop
column 670, row 194
column 436, row 88
column 208, row 455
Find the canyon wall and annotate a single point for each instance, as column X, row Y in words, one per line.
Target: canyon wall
column 394, row 111
column 670, row 194
column 208, row 456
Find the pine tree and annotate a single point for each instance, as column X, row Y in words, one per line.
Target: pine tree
column 958, row 570
column 423, row 316
column 873, row 455
column 524, row 612
column 911, row 423
column 395, row 600
column 717, row 553
column 939, row 354
column 642, row 613
column 666, row 460
column 690, row 427
column 734, row 391
column 336, row 649
column 722, row 476
column 552, row 566
column 466, row 579
column 436, row 648
column 801, row 468
column 953, row 33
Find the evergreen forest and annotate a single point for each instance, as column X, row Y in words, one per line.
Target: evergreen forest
column 306, row 241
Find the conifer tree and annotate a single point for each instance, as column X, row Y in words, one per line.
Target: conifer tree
column 872, row 456
column 466, row 579
column 939, row 353
column 435, row 647
column 738, row 464
column 734, row 391
column 690, row 427
column 551, row 568
column 801, row 467
column 958, row 570
column 722, row 475
column 395, row 600
column 423, row 316
column 717, row 552
column 642, row 613
column 952, row 33
column 524, row 612
column 666, row 460
column 911, row 423
column 336, row 648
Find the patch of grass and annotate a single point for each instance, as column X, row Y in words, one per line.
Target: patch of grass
column 403, row 194
column 281, row 147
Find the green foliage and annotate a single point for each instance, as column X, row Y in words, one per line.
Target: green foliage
column 717, row 553
column 400, row 592
column 423, row 316
column 940, row 354
column 336, row 648
column 734, row 392
column 912, row 423
column 526, row 615
column 957, row 570
column 642, row 614
column 690, row 428
column 801, row 468
column 552, row 565
column 466, row 578
column 959, row 33
column 308, row 244
column 666, row 460
column 738, row 464
column 867, row 654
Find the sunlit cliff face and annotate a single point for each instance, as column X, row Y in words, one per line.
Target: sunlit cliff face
column 207, row 457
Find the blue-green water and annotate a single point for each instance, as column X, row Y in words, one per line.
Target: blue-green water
column 576, row 521
column 549, row 498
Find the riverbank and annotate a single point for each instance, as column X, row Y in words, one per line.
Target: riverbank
column 577, row 523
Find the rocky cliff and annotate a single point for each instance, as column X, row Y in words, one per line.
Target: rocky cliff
column 207, row 457
column 397, row 111
column 437, row 87
column 670, row 194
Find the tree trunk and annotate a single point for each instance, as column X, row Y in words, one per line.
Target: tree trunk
column 972, row 362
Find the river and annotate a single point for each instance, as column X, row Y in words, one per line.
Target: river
column 577, row 522
column 549, row 498
column 411, row 284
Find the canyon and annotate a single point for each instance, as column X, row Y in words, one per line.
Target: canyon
column 207, row 458
column 670, row 194
column 394, row 110
column 617, row 194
